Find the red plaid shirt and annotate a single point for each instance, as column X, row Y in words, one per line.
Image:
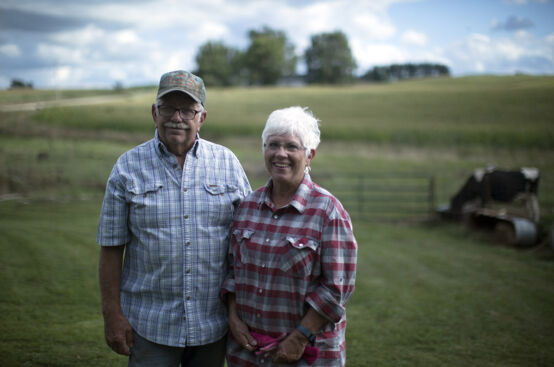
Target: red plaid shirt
column 283, row 260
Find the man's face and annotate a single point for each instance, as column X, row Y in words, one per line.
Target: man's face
column 173, row 130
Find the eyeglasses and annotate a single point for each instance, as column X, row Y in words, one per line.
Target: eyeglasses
column 289, row 147
column 185, row 113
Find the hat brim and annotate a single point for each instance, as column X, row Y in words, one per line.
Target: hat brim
column 179, row 90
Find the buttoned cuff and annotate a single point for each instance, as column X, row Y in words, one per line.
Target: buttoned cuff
column 227, row 287
column 325, row 304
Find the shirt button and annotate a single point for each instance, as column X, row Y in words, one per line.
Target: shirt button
column 267, row 240
column 275, row 216
column 263, row 265
column 186, row 216
column 174, row 166
column 187, row 243
column 187, row 271
column 188, row 298
column 185, row 189
column 300, row 245
column 260, row 291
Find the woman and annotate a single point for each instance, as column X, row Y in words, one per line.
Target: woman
column 292, row 258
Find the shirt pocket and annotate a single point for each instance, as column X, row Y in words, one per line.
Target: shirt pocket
column 300, row 257
column 240, row 237
column 147, row 206
column 219, row 203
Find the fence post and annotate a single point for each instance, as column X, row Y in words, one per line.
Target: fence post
column 431, row 193
column 361, row 195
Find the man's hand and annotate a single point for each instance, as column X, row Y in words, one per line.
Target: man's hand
column 291, row 349
column 118, row 333
column 117, row 330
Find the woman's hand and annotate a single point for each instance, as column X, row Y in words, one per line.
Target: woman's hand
column 238, row 328
column 291, row 349
column 241, row 334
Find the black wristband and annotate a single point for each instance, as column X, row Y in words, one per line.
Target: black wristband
column 307, row 333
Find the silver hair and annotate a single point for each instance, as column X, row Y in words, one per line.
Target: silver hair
column 297, row 121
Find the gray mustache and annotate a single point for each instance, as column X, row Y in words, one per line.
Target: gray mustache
column 177, row 125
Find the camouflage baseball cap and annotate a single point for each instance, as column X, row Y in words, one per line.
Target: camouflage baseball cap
column 183, row 81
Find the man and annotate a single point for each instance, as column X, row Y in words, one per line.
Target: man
column 163, row 233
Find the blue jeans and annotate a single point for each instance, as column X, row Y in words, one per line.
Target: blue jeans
column 144, row 353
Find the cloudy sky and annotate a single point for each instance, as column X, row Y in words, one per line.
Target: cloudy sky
column 96, row 43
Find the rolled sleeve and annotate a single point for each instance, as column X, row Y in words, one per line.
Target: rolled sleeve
column 228, row 285
column 338, row 264
column 112, row 228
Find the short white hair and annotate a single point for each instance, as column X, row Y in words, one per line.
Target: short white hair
column 297, row 121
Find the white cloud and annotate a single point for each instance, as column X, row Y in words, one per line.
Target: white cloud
column 61, row 75
column 502, row 55
column 135, row 42
column 61, row 54
column 371, row 27
column 10, row 50
column 209, row 31
column 415, row 38
column 369, row 55
column 126, row 37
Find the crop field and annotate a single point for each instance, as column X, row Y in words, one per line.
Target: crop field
column 428, row 293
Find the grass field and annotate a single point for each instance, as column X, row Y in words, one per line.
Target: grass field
column 428, row 294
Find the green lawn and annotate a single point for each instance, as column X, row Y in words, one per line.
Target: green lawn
column 428, row 294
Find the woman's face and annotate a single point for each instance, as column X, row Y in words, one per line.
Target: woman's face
column 285, row 159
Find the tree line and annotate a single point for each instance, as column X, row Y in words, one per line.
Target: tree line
column 405, row 71
column 270, row 59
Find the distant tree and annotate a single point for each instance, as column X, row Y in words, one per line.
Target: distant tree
column 329, row 59
column 217, row 64
column 378, row 74
column 268, row 58
column 405, row 71
column 118, row 86
column 18, row 83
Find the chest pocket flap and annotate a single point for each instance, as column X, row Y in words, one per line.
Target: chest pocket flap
column 145, row 189
column 301, row 256
column 300, row 243
column 218, row 188
column 242, row 234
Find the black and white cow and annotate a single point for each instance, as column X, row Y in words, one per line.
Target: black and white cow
column 495, row 184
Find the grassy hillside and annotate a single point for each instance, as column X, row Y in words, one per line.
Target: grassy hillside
column 443, row 127
column 430, row 294
column 508, row 112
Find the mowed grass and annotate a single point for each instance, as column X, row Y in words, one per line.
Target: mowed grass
column 426, row 295
column 50, row 304
column 430, row 294
column 445, row 297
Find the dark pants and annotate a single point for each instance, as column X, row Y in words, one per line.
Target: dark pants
column 147, row 354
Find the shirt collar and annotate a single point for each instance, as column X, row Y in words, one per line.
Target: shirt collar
column 164, row 151
column 299, row 200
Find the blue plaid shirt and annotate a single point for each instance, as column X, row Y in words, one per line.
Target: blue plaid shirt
column 175, row 225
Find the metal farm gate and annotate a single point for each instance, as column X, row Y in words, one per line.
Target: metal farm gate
column 382, row 196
